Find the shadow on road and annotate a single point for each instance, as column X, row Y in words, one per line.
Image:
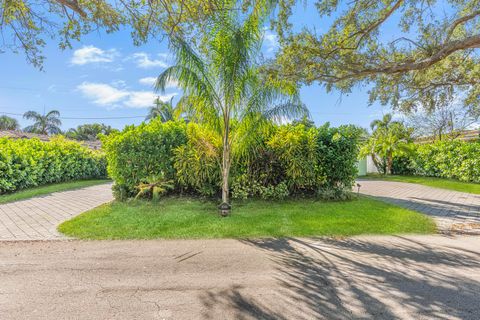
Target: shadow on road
column 352, row 279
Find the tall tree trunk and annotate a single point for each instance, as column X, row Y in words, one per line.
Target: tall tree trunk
column 226, row 164
column 389, row 164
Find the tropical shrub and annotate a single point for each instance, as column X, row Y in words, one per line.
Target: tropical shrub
column 452, row 159
column 389, row 139
column 197, row 162
column 297, row 148
column 280, row 161
column 138, row 153
column 28, row 163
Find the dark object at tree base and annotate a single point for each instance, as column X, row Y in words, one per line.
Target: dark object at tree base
column 224, row 209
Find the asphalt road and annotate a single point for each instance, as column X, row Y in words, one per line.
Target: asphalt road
column 421, row 277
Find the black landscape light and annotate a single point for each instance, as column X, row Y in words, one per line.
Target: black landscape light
column 224, row 209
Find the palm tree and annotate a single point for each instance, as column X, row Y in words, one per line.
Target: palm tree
column 384, row 123
column 165, row 110
column 44, row 124
column 89, row 132
column 223, row 87
column 389, row 139
column 8, row 123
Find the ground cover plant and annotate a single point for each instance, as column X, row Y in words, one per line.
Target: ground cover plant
column 183, row 217
column 26, row 163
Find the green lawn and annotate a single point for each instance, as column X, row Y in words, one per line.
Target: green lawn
column 449, row 184
column 180, row 218
column 46, row 189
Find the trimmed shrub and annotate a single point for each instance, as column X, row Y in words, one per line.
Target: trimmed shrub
column 453, row 159
column 28, row 163
column 279, row 161
column 138, row 153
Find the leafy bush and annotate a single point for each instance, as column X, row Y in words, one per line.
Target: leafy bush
column 28, row 163
column 404, row 164
column 245, row 186
column 452, row 159
column 279, row 161
column 138, row 153
column 197, row 162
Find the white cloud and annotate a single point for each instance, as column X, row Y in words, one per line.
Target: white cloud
column 150, row 81
column 171, row 84
column 142, row 99
column 91, row 54
column 101, row 93
column 270, row 41
column 143, row 60
column 112, row 97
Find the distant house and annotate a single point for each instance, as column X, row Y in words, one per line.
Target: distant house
column 94, row 145
column 465, row 135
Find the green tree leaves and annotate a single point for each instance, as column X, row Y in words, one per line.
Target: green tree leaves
column 431, row 56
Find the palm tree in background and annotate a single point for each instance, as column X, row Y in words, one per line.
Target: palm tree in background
column 164, row 110
column 222, row 84
column 8, row 123
column 44, row 124
column 383, row 124
column 89, row 131
column 389, row 139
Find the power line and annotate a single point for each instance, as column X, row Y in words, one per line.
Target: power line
column 82, row 118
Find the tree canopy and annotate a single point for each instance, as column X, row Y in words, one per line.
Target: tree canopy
column 26, row 24
column 432, row 54
column 8, row 123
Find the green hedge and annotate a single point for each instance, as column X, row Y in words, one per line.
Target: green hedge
column 137, row 153
column 452, row 159
column 281, row 160
column 28, row 163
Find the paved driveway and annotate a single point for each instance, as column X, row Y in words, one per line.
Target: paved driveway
column 37, row 218
column 454, row 212
column 429, row 277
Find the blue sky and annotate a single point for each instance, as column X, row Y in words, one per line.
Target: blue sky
column 106, row 76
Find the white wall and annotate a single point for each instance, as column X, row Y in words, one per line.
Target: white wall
column 371, row 168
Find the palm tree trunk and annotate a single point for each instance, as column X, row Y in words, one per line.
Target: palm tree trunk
column 226, row 164
column 389, row 164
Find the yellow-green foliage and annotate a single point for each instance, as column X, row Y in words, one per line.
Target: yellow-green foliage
column 444, row 159
column 273, row 164
column 29, row 163
column 296, row 148
column 197, row 163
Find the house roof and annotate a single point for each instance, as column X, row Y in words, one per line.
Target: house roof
column 465, row 135
column 95, row 145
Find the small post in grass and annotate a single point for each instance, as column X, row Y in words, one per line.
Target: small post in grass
column 224, row 209
column 358, row 189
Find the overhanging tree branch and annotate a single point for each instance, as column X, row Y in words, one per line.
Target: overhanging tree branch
column 459, row 21
column 445, row 50
column 73, row 5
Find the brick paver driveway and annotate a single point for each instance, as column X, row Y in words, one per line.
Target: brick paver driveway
column 454, row 212
column 37, row 218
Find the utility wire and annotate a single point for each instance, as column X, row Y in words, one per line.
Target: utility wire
column 81, row 118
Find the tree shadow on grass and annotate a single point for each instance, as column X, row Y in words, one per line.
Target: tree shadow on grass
column 358, row 279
